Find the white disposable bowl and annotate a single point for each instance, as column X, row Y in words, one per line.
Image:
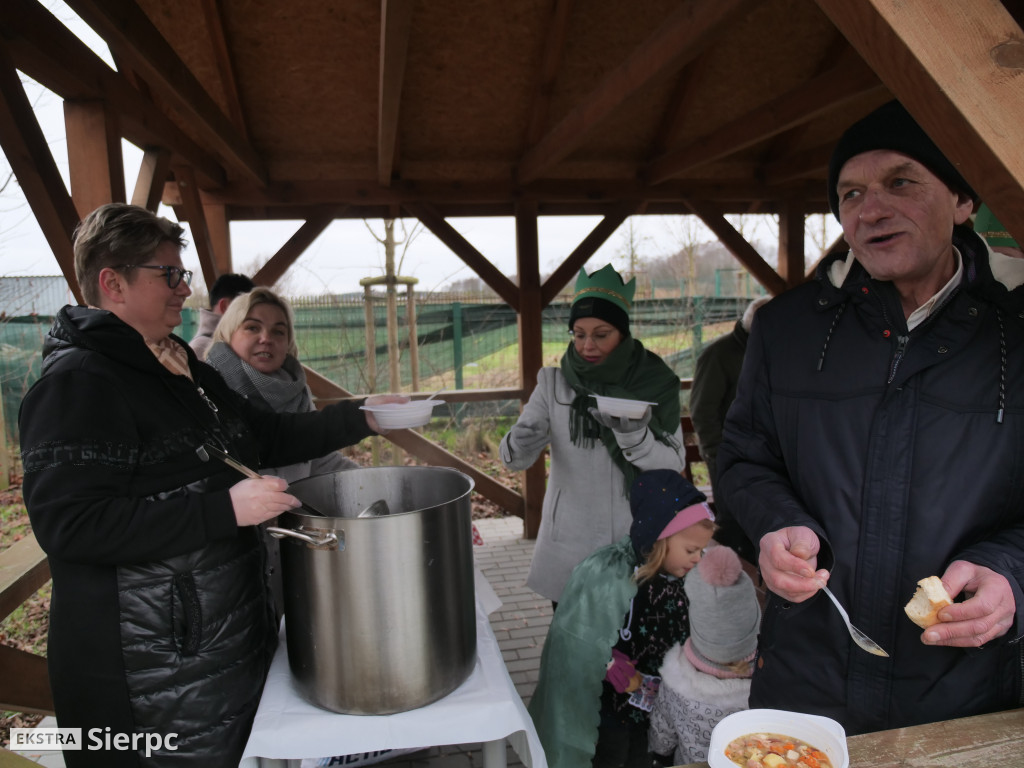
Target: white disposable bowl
column 820, row 732
column 621, row 407
column 415, row 413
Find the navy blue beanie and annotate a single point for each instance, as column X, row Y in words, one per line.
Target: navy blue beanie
column 655, row 499
column 891, row 127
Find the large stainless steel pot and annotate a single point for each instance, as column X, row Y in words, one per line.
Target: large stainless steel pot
column 380, row 611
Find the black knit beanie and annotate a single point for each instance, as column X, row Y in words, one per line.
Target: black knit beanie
column 891, row 127
column 591, row 306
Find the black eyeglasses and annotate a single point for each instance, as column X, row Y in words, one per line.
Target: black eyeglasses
column 173, row 274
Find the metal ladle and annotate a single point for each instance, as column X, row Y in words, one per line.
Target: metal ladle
column 239, row 466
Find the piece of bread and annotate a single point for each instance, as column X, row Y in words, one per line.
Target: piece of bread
column 928, row 600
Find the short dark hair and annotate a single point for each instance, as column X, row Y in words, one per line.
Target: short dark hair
column 116, row 234
column 228, row 286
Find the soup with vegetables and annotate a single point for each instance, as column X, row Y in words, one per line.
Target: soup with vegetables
column 773, row 750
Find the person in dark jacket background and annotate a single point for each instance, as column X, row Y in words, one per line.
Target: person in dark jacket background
column 223, row 291
column 714, row 388
column 161, row 630
column 876, row 439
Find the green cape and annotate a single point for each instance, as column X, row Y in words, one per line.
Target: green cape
column 566, row 705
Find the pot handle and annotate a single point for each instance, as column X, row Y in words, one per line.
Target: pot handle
column 323, row 539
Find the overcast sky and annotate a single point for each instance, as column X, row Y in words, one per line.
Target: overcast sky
column 346, row 251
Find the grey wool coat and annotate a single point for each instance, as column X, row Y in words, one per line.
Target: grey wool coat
column 585, row 505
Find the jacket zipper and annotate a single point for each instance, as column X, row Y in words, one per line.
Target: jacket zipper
column 901, row 349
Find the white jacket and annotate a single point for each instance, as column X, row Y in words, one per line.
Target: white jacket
column 585, row 505
column 690, row 704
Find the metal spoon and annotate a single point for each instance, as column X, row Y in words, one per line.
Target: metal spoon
column 859, row 637
column 379, row 508
column 239, row 466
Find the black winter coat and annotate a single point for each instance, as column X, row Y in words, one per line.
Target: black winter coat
column 903, row 451
column 159, row 619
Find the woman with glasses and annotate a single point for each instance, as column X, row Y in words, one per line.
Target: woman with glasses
column 594, row 457
column 160, row 623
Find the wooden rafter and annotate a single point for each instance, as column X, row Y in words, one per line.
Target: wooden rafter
column 675, row 115
column 297, row 244
column 550, row 63
column 153, row 173
column 462, row 248
column 214, row 23
column 30, row 158
column 683, row 35
column 45, row 50
column 192, row 211
column 597, row 237
column 837, row 54
column 959, row 69
column 395, row 28
column 823, row 93
column 130, row 33
column 810, row 162
column 738, row 246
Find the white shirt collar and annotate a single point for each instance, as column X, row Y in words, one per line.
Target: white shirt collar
column 920, row 314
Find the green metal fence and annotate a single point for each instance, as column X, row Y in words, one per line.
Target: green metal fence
column 463, row 342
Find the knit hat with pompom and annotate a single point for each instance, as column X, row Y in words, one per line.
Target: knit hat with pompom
column 724, row 612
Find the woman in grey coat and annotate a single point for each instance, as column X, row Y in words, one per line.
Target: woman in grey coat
column 594, row 457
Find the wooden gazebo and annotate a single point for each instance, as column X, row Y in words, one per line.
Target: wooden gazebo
column 323, row 109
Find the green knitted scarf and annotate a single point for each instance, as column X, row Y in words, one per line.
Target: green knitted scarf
column 632, row 372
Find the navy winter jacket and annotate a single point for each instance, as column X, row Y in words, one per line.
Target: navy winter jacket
column 903, row 451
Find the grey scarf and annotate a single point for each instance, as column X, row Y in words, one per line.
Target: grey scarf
column 283, row 391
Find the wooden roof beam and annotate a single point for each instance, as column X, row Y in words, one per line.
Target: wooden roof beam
column 570, row 268
column 683, row 35
column 45, row 50
column 130, row 33
column 959, row 69
column 678, row 106
column 30, row 158
column 814, row 97
column 462, row 248
column 810, row 162
column 214, row 23
column 297, row 244
column 95, row 162
column 395, row 28
column 153, row 174
column 192, row 212
column 838, row 53
column 744, row 252
column 550, row 63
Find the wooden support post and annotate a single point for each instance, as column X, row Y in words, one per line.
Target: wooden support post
column 219, row 229
column 153, row 174
column 414, row 349
column 791, row 242
column 94, row 155
column 530, row 347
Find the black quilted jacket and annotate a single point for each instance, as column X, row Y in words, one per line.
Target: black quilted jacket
column 904, row 451
column 159, row 620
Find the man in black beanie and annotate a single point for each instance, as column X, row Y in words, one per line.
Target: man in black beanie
column 875, row 441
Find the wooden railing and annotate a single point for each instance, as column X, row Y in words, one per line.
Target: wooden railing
column 24, row 682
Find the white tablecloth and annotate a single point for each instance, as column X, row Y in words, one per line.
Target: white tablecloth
column 485, row 708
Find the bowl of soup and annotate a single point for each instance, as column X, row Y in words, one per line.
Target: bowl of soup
column 774, row 738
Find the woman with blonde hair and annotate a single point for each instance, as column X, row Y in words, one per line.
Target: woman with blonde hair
column 255, row 351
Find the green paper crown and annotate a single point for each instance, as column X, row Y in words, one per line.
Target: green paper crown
column 606, row 284
column 994, row 233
